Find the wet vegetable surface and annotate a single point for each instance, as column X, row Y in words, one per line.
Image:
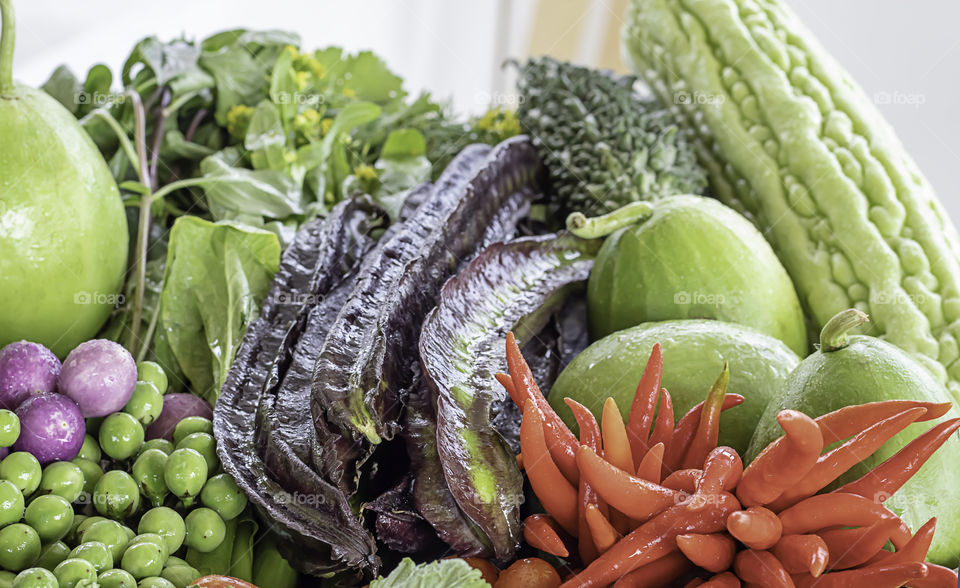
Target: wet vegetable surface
column 516, row 286
column 325, row 530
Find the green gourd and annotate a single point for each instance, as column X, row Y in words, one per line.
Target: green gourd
column 692, row 257
column 857, row 369
column 791, row 141
column 63, row 232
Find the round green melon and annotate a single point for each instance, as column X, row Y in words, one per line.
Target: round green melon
column 866, row 369
column 693, row 258
column 693, row 355
column 63, row 232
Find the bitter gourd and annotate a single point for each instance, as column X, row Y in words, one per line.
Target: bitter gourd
column 603, row 144
column 792, row 142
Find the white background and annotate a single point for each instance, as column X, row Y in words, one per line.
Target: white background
column 906, row 53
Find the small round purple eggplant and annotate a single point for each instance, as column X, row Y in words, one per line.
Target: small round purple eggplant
column 26, row 368
column 176, row 407
column 100, row 376
column 51, row 428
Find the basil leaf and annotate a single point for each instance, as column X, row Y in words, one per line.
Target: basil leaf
column 216, row 277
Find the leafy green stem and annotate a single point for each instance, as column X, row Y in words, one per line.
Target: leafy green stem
column 125, row 143
column 143, row 229
column 8, row 30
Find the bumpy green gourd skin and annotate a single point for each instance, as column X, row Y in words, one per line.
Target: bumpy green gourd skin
column 694, row 258
column 792, row 142
column 871, row 370
column 694, row 352
column 604, row 145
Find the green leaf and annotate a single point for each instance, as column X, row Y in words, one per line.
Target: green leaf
column 262, row 192
column 284, row 89
column 444, row 573
column 404, row 143
column 216, row 277
column 402, row 165
column 99, row 80
column 135, row 187
column 240, row 77
column 241, row 559
column 164, row 60
column 370, row 79
column 265, row 138
column 175, row 145
column 64, row 87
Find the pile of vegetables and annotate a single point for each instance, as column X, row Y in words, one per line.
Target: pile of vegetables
column 318, row 270
column 653, row 502
column 134, row 493
column 223, row 147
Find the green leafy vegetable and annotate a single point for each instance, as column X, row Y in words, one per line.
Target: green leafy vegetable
column 444, row 573
column 216, row 277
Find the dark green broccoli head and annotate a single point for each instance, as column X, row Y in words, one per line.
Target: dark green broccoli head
column 603, row 144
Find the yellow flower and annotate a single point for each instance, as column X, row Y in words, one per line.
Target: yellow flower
column 303, row 80
column 238, row 119
column 325, row 125
column 292, row 51
column 365, row 172
column 349, row 92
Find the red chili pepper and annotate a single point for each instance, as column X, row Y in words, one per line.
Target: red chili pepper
column 916, row 549
column 507, row 382
column 644, row 404
column 802, row 554
column 651, row 465
column 937, row 577
column 616, row 445
column 755, row 527
column 838, row 461
column 661, row 573
column 602, row 532
column 713, row 552
column 687, row 428
column 540, row 531
column 708, row 429
column 554, row 491
column 850, row 420
column 784, row 462
column 882, row 481
column 724, row 580
column 683, row 481
column 634, row 497
column 869, row 577
column 560, row 441
column 722, row 470
column 761, row 568
column 586, row 495
column 656, row 538
column 663, row 427
column 824, row 511
column 850, row 548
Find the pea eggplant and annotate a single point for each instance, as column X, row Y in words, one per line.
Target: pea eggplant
column 512, row 286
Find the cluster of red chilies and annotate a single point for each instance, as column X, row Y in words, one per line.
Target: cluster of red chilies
column 650, row 502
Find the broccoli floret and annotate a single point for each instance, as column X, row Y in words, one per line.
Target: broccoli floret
column 604, row 144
